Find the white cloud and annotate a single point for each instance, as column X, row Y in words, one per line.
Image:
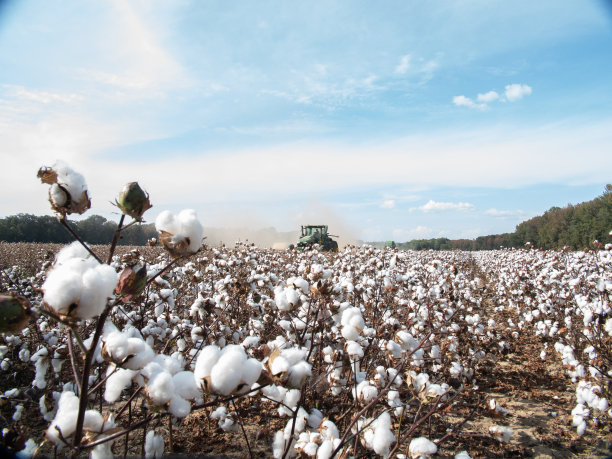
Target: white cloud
column 488, row 97
column 462, row 101
column 433, row 206
column 403, row 65
column 512, row 93
column 517, row 91
column 388, row 204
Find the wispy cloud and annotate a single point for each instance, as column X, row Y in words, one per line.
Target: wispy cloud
column 512, row 93
column 388, row 204
column 403, row 65
column 434, row 206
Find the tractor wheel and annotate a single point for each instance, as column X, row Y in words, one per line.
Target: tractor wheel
column 334, row 246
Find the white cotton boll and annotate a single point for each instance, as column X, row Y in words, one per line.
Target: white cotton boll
column 278, row 444
column 179, row 407
column 279, row 364
column 117, row 382
column 73, row 250
column 422, row 448
column 206, row 361
column 251, row 371
column 98, row 285
column 292, row 397
column 325, row 450
column 191, row 228
column 227, row 372
column 298, row 374
column 185, row 385
column 463, row 455
column 28, row 450
column 314, row 418
column 62, row 288
column 354, row 350
column 154, row 445
column 168, row 363
column 501, row 433
column 166, row 221
column 58, row 196
column 18, row 412
column 160, row 388
column 383, row 436
column 329, row 430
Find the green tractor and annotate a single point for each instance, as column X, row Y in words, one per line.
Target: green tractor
column 317, row 234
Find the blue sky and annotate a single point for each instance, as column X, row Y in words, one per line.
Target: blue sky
column 388, row 120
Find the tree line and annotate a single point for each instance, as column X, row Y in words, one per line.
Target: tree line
column 574, row 226
column 94, row 230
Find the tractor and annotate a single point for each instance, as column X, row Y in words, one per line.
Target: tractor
column 317, row 234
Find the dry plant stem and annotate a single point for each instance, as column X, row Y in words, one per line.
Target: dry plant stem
column 115, row 240
column 84, row 395
column 65, row 224
column 128, row 403
column 246, row 438
column 73, row 362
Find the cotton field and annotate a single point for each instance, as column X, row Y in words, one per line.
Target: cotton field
column 268, row 353
column 365, row 352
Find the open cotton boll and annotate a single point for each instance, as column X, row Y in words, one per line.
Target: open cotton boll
column 185, row 385
column 501, row 433
column 179, row 407
column 383, row 436
column 65, row 418
column 181, row 234
column 422, row 448
column 226, row 374
column 160, row 388
column 98, row 285
column 206, row 360
column 154, row 445
column 463, row 455
column 118, row 381
column 79, row 287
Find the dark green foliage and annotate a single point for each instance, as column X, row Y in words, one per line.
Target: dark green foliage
column 94, row 230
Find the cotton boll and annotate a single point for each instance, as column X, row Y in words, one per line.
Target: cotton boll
column 383, row 436
column 463, row 455
column 192, row 228
column 329, row 430
column 154, row 445
column 251, row 371
column 501, row 433
column 227, row 372
column 185, row 385
column 179, row 407
column 278, row 444
column 298, row 374
column 166, row 221
column 422, row 448
column 98, row 285
column 205, row 362
column 117, row 382
column 161, row 388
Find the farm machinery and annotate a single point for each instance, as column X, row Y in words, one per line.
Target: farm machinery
column 317, row 234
